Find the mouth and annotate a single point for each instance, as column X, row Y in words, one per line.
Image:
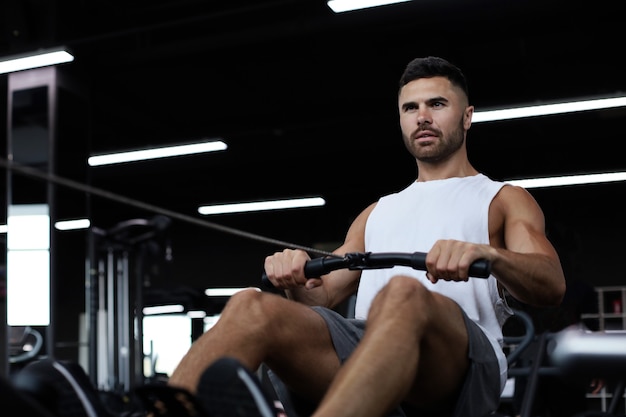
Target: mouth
column 425, row 135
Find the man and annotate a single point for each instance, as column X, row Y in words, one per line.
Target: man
column 432, row 343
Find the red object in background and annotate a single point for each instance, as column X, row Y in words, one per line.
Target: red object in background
column 617, row 306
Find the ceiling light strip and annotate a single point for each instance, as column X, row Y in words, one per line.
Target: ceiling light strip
column 72, row 224
column 262, row 206
column 164, row 152
column 570, row 180
column 548, row 109
column 225, row 292
column 339, row 6
column 34, row 60
column 163, row 309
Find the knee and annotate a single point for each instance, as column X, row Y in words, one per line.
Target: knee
column 244, row 302
column 406, row 287
column 404, row 291
column 250, row 306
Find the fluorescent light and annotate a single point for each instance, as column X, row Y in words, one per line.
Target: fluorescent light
column 140, row 155
column 196, row 314
column 72, row 224
column 262, row 205
column 547, row 109
column 60, row 225
column 34, row 60
column 570, row 180
column 225, row 292
column 339, row 6
column 166, row 309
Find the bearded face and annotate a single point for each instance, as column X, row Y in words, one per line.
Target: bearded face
column 439, row 147
column 434, row 118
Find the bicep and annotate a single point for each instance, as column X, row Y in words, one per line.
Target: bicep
column 524, row 223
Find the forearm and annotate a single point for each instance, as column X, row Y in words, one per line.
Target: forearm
column 328, row 291
column 535, row 279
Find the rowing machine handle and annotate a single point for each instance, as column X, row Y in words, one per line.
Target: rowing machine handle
column 317, row 267
column 313, row 268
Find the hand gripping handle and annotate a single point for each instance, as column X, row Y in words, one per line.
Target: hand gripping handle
column 317, row 267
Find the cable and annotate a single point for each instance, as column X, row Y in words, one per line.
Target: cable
column 31, row 172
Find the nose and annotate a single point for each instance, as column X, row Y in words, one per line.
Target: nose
column 423, row 117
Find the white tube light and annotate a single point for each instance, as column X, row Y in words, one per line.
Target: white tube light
column 339, row 6
column 34, row 60
column 262, row 205
column 570, row 180
column 72, row 224
column 225, row 292
column 60, row 225
column 165, row 152
column 164, row 309
column 547, row 109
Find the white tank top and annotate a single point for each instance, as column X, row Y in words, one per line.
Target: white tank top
column 412, row 220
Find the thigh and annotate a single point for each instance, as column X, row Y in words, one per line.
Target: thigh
column 443, row 360
column 457, row 366
column 427, row 332
column 301, row 351
column 258, row 327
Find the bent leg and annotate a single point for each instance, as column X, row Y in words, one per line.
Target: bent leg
column 257, row 327
column 415, row 348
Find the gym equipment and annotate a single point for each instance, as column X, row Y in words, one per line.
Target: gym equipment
column 63, row 389
column 115, row 301
column 25, row 343
column 368, row 260
column 597, row 354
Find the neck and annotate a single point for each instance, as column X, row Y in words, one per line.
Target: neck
column 440, row 171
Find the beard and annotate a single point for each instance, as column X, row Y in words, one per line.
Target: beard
column 436, row 151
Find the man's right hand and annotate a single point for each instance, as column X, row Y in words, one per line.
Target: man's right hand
column 286, row 269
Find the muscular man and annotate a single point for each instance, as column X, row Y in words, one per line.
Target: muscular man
column 422, row 343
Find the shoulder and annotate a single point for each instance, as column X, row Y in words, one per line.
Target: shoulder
column 515, row 201
column 364, row 215
column 513, row 194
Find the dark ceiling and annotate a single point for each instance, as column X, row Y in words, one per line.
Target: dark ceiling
column 306, row 101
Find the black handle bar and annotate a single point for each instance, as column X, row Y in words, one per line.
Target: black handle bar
column 317, row 267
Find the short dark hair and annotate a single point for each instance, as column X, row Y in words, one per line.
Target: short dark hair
column 432, row 66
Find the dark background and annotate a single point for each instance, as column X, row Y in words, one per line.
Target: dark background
column 306, row 101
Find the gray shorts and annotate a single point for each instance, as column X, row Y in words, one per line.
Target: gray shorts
column 480, row 393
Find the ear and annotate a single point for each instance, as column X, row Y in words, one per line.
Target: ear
column 467, row 117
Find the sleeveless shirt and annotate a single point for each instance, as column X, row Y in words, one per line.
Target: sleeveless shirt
column 424, row 212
